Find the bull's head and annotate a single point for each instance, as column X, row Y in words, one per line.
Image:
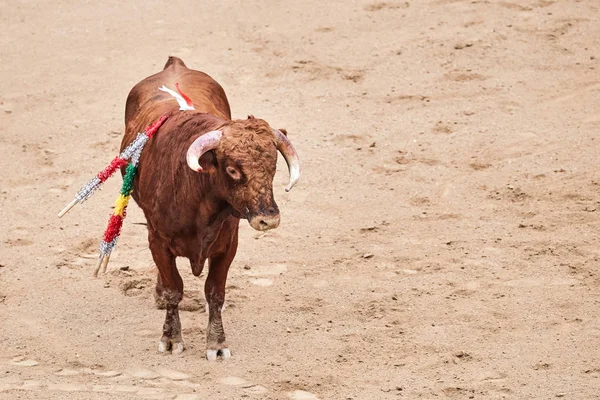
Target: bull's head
column 244, row 166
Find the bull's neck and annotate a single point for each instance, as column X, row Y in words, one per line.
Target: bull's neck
column 213, row 211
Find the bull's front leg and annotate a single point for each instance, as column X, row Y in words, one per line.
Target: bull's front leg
column 214, row 290
column 169, row 289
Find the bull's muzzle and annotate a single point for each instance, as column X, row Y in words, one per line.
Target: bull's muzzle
column 264, row 222
column 264, row 218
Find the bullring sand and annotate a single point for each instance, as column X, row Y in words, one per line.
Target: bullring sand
column 442, row 242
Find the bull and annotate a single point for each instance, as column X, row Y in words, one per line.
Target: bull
column 200, row 174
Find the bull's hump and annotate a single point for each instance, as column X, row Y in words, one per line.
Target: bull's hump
column 174, row 62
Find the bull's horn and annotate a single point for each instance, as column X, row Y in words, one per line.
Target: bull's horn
column 288, row 152
column 204, row 143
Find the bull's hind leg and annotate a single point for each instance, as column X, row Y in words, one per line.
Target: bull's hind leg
column 169, row 288
column 214, row 290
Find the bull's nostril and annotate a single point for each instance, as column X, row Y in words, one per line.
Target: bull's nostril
column 264, row 222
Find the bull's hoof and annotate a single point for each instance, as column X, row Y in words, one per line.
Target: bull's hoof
column 211, row 355
column 175, row 346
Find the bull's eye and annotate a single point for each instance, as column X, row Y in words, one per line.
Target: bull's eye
column 234, row 173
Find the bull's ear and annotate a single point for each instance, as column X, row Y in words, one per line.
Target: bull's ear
column 283, row 130
column 209, row 162
column 203, row 144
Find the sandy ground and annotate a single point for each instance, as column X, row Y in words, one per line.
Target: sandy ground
column 443, row 242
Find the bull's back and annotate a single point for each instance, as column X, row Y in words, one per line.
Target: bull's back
column 146, row 103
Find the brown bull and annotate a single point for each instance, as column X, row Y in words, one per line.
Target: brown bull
column 200, row 174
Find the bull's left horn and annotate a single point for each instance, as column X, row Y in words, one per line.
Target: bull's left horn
column 204, row 143
column 288, row 152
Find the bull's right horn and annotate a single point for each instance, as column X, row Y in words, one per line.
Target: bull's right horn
column 204, row 143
